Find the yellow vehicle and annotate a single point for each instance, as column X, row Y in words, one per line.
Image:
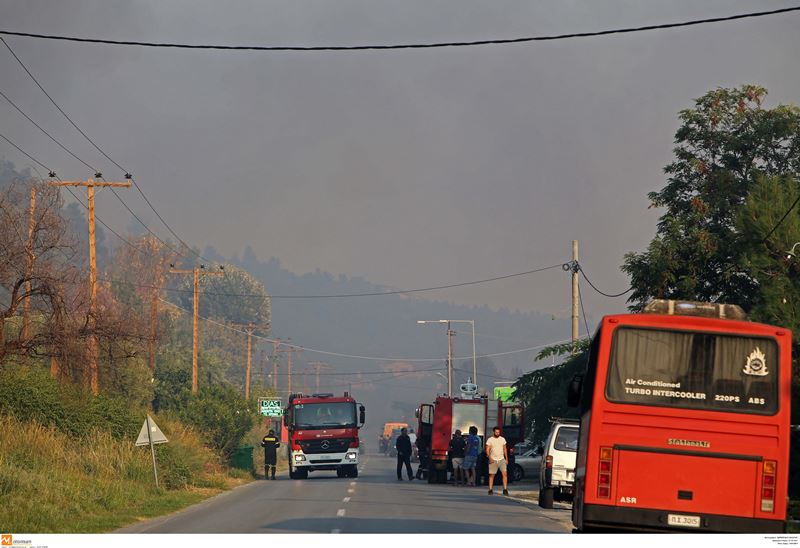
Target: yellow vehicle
column 383, row 442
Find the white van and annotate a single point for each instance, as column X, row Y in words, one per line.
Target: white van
column 557, row 472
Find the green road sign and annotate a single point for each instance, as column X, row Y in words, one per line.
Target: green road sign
column 271, row 407
column 504, row 393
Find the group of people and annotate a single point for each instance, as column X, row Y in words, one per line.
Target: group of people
column 464, row 452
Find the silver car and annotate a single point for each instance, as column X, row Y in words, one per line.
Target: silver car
column 526, row 465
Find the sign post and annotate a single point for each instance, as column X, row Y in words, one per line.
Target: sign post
column 151, row 434
column 270, row 407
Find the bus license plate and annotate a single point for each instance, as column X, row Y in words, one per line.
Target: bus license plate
column 683, row 521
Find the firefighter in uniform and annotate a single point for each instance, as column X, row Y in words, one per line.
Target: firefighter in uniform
column 270, row 443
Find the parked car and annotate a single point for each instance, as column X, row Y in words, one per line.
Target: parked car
column 557, row 475
column 527, row 465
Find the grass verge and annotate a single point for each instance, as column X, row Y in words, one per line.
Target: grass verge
column 53, row 482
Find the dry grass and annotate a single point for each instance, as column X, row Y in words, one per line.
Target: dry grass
column 51, row 482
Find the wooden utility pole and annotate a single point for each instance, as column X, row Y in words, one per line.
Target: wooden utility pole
column 94, row 377
column 249, row 328
column 289, row 350
column 317, row 366
column 26, row 304
column 575, row 296
column 158, row 282
column 197, row 273
column 274, row 359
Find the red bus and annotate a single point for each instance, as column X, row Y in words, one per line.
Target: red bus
column 685, row 422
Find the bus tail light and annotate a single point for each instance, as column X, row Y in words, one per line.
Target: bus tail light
column 768, row 486
column 604, row 473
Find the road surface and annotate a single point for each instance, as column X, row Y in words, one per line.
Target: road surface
column 375, row 502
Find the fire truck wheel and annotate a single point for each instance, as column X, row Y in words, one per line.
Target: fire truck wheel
column 340, row 473
column 546, row 497
column 353, row 472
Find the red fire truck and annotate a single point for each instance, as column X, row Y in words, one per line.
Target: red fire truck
column 684, row 422
column 323, row 434
column 439, row 420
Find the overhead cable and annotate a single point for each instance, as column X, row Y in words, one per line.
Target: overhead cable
column 542, row 38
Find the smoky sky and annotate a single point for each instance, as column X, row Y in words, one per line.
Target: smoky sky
column 410, row 168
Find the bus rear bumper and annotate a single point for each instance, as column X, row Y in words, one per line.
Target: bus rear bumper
column 597, row 517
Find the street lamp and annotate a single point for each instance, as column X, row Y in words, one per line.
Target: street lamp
column 450, row 351
column 791, row 253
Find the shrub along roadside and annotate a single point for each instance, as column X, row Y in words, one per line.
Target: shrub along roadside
column 68, row 460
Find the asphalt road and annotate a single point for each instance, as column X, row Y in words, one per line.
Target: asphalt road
column 375, row 502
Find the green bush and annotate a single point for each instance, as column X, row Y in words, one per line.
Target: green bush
column 30, row 394
column 222, row 417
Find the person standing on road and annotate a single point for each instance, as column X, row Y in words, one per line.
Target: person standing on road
column 456, row 451
column 471, row 452
column 403, row 446
column 270, row 443
column 497, row 451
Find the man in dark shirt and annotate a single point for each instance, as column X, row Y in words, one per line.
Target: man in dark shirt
column 270, row 443
column 456, row 451
column 403, row 446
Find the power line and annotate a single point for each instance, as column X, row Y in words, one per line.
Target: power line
column 354, row 356
column 612, row 296
column 344, row 295
column 543, row 38
column 780, row 222
column 75, row 196
column 103, row 152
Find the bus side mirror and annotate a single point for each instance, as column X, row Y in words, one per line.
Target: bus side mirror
column 416, row 412
column 574, row 391
column 362, row 414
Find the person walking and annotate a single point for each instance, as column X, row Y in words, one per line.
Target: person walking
column 270, row 443
column 497, row 451
column 473, row 448
column 456, row 451
column 403, row 446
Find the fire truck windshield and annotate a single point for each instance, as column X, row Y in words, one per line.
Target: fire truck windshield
column 693, row 370
column 325, row 415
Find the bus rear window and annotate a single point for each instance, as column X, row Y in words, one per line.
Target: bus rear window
column 693, row 370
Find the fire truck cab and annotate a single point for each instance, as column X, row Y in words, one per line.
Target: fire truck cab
column 323, row 434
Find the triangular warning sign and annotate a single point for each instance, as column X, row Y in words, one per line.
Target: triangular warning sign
column 156, row 434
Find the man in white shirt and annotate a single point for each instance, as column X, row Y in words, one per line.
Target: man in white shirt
column 497, row 451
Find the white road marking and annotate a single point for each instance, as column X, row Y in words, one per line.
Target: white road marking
column 340, row 513
column 336, row 531
column 346, row 499
column 351, row 490
column 352, row 483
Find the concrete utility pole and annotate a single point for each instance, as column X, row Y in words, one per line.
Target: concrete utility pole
column 317, row 366
column 575, row 297
column 94, row 377
column 197, row 273
column 450, row 334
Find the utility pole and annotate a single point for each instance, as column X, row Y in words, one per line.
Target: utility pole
column 197, row 273
column 450, row 334
column 317, row 366
column 575, row 297
column 249, row 328
column 154, row 298
column 289, row 350
column 274, row 358
column 26, row 305
column 94, row 377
